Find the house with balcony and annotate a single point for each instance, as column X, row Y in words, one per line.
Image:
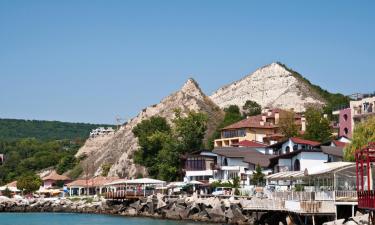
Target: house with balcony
column 199, row 166
column 357, row 112
column 239, row 162
column 297, row 154
column 263, row 128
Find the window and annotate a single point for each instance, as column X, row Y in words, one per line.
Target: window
column 287, row 149
column 346, row 117
column 346, row 131
column 297, row 166
column 234, row 133
column 295, row 147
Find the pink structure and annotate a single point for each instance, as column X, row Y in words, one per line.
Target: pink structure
column 345, row 123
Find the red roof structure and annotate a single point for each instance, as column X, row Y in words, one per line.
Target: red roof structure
column 304, row 142
column 339, row 144
column 55, row 176
column 92, row 182
column 251, row 144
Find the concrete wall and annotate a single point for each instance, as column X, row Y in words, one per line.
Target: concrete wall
column 312, row 159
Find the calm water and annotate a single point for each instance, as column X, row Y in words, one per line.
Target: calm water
column 80, row 219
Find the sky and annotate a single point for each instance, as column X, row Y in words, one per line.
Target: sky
column 90, row 61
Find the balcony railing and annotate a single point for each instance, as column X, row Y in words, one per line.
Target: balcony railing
column 349, row 196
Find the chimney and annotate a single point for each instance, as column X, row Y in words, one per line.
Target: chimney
column 277, row 118
column 303, row 123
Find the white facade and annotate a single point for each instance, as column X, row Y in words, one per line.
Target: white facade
column 302, row 161
column 101, row 131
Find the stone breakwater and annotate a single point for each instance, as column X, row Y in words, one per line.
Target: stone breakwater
column 213, row 210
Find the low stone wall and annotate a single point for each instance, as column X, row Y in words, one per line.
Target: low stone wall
column 213, row 210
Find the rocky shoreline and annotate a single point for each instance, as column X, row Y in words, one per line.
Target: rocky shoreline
column 212, row 210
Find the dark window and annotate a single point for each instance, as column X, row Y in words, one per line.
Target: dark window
column 295, row 147
column 345, row 117
column 346, row 131
column 287, row 149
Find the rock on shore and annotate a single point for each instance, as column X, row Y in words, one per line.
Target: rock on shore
column 184, row 208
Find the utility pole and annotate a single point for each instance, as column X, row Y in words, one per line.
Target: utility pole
column 119, row 121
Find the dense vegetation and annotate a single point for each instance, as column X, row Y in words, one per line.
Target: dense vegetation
column 334, row 101
column 12, row 129
column 287, row 124
column 318, row 127
column 162, row 145
column 29, row 155
column 363, row 134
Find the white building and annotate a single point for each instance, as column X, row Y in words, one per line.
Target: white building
column 241, row 162
column 296, row 154
column 101, row 131
column 199, row 166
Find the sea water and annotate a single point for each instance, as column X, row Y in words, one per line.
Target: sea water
column 81, row 219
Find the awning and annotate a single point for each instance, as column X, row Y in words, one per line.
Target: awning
column 136, row 181
column 288, row 175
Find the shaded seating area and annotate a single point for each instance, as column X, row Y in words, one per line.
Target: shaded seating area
column 334, row 181
column 90, row 186
column 123, row 189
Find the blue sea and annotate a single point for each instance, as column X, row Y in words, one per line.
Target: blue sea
column 80, row 219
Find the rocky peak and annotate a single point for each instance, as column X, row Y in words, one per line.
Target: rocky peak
column 191, row 87
column 118, row 149
column 273, row 86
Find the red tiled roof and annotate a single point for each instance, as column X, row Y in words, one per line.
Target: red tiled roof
column 254, row 121
column 339, row 144
column 251, row 122
column 251, row 144
column 92, row 182
column 304, row 142
column 54, row 176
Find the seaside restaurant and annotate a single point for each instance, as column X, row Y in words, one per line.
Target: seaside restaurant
column 331, row 182
column 135, row 188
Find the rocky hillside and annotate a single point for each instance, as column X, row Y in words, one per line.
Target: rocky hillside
column 272, row 86
column 118, row 149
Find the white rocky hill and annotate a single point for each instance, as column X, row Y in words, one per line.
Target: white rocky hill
column 118, row 149
column 273, row 86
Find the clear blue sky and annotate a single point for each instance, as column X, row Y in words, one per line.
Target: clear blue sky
column 91, row 60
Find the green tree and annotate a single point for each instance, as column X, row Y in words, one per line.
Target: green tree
column 149, row 147
column 363, row 134
column 287, row 124
column 190, row 130
column 232, row 115
column 318, row 127
column 168, row 160
column 252, row 108
column 258, row 176
column 105, row 169
column 29, row 183
column 236, row 185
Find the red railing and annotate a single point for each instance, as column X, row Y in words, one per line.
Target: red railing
column 365, row 159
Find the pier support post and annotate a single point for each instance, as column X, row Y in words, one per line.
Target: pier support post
column 313, row 220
